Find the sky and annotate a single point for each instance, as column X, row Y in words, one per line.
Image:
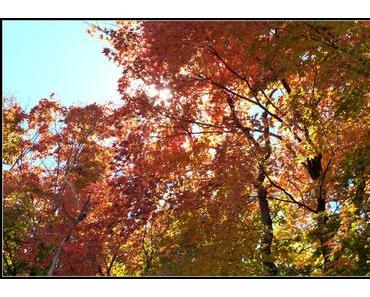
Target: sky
column 42, row 57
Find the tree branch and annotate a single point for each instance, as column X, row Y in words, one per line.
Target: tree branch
column 293, row 200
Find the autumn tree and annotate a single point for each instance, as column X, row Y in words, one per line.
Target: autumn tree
column 238, row 148
column 51, row 184
column 284, row 92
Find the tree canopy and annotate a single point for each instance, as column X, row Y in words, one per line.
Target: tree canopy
column 239, row 148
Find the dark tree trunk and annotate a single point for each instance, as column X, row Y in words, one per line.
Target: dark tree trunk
column 263, row 160
column 314, row 169
column 323, row 231
column 268, row 235
column 268, row 232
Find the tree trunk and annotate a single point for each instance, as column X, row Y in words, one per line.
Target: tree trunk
column 268, row 235
column 314, row 169
column 268, row 232
column 81, row 216
column 323, row 231
column 265, row 151
column 56, row 256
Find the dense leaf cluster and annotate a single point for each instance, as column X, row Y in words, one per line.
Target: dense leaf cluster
column 239, row 148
